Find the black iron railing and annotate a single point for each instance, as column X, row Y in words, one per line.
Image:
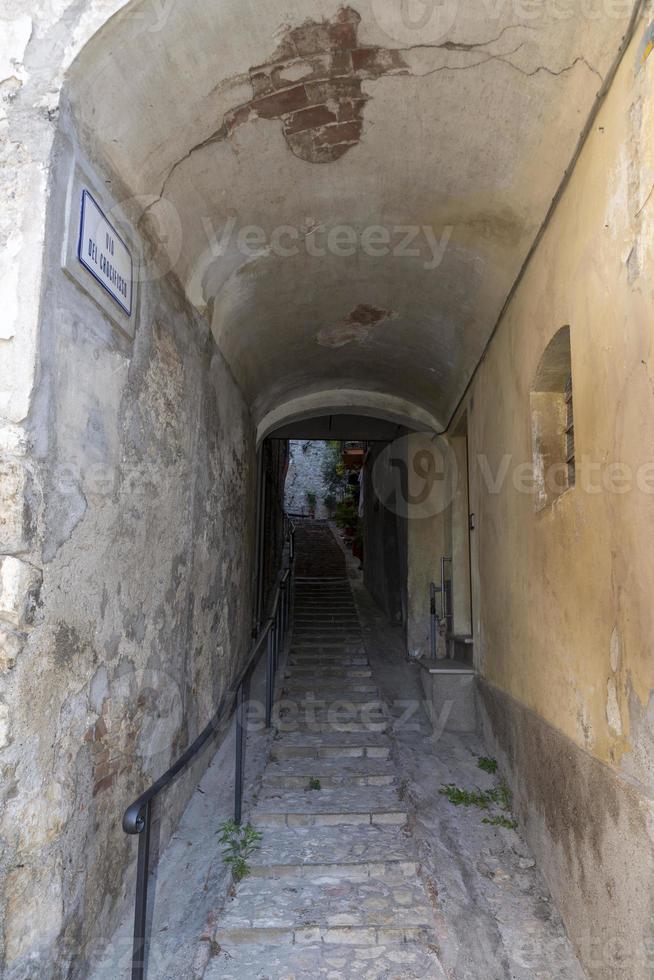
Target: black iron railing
column 137, row 818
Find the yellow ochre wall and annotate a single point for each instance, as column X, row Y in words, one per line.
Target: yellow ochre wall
column 565, row 595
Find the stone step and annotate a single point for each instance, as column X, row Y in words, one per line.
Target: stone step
column 325, row 637
column 328, row 604
column 353, row 649
column 327, row 615
column 312, row 617
column 327, row 909
column 363, row 852
column 298, row 773
column 348, row 805
column 328, row 662
column 311, row 634
column 314, row 961
column 332, row 699
column 327, row 659
column 316, row 688
column 336, row 592
column 300, row 672
column 331, row 745
column 322, row 639
column 324, row 726
column 325, row 600
column 339, row 712
column 325, row 630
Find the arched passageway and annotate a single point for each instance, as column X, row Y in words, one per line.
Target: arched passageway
column 230, row 226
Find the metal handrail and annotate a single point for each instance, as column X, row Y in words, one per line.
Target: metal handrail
column 137, row 818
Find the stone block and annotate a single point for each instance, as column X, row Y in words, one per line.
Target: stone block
column 11, row 644
column 450, row 691
column 15, row 510
column 4, row 725
column 19, row 590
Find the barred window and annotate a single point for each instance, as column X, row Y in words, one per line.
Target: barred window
column 552, row 421
column 569, row 432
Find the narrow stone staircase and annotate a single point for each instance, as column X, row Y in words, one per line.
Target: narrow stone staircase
column 334, row 889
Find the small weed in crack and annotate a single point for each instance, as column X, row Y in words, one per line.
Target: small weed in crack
column 501, row 821
column 241, row 841
column 499, row 796
column 314, row 783
column 488, row 765
column 466, row 797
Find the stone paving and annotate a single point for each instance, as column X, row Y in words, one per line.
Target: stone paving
column 334, row 889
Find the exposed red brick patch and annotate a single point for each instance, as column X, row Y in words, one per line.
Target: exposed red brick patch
column 312, row 84
column 356, row 327
column 340, row 88
column 280, row 103
column 366, row 315
column 377, row 61
column 349, row 132
column 314, row 116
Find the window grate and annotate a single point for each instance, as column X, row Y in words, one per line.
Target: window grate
column 569, row 433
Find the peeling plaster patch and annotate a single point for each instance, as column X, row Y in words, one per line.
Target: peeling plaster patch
column 618, row 198
column 312, row 85
column 633, row 264
column 613, row 708
column 356, row 327
column 4, row 725
column 615, row 649
column 646, row 47
column 15, row 35
column 585, row 727
column 638, row 762
column 99, row 689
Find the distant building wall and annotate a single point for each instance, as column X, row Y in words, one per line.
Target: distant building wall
column 305, row 474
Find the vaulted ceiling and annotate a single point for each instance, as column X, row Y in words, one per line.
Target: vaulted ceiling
column 349, row 192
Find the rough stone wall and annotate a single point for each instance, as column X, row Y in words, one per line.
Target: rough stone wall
column 275, row 464
column 306, row 460
column 563, row 614
column 126, row 593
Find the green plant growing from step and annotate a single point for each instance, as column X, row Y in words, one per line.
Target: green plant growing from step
column 466, row 797
column 499, row 796
column 241, row 841
column 501, row 821
column 314, row 783
column 502, row 796
column 488, row 765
